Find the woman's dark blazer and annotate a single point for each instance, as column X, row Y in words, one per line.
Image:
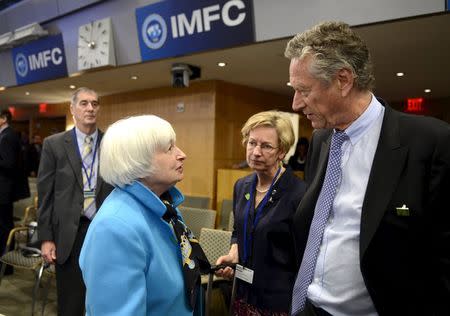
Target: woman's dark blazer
column 273, row 255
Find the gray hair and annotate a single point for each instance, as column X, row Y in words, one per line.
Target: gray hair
column 334, row 46
column 129, row 145
column 76, row 93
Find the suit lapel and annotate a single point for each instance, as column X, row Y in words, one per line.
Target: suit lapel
column 4, row 132
column 317, row 182
column 309, row 200
column 99, row 184
column 74, row 157
column 387, row 166
column 247, row 187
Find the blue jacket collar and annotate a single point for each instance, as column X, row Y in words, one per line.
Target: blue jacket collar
column 149, row 199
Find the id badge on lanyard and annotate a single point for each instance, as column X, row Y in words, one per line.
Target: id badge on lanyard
column 246, row 272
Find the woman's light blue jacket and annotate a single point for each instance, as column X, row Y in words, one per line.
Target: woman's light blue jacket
column 130, row 260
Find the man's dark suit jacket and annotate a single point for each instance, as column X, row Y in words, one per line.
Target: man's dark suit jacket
column 13, row 180
column 9, row 156
column 60, row 191
column 405, row 259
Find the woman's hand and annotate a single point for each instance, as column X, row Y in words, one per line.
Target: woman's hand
column 231, row 257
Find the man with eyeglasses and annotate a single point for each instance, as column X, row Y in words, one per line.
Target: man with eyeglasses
column 70, row 192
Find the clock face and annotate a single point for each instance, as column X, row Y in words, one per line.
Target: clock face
column 95, row 45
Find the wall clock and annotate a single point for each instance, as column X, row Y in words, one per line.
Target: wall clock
column 96, row 45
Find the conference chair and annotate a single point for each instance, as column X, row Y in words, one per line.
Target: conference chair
column 231, row 222
column 215, row 243
column 18, row 255
column 196, row 201
column 225, row 211
column 196, row 218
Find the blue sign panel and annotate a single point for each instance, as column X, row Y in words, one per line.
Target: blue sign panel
column 174, row 28
column 40, row 60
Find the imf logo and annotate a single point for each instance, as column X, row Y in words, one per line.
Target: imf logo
column 154, row 31
column 21, row 65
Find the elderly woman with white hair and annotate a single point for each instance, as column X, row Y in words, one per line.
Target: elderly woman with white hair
column 138, row 257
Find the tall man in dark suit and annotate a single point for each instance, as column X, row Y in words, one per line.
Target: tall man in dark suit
column 9, row 158
column 70, row 191
column 372, row 232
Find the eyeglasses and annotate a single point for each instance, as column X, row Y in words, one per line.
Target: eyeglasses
column 264, row 147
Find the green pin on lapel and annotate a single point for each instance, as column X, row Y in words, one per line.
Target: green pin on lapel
column 247, row 196
column 402, row 211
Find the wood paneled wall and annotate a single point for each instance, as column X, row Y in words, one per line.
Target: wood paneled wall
column 194, row 126
column 28, row 119
column 47, row 126
column 208, row 129
column 234, row 105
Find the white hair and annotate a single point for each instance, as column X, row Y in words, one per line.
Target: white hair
column 129, row 145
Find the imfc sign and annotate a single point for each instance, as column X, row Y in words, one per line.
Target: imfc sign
column 174, row 28
column 40, row 60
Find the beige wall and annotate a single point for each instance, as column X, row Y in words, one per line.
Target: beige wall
column 234, row 105
column 194, row 127
column 208, row 130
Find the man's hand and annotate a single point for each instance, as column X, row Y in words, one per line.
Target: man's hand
column 48, row 251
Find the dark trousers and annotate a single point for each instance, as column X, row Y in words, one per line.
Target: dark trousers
column 6, row 224
column 69, row 281
column 311, row 310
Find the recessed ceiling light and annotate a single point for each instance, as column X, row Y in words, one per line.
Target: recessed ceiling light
column 72, row 86
column 400, row 74
column 221, row 64
column 27, row 93
column 427, row 90
column 134, row 77
column 288, row 84
column 75, row 74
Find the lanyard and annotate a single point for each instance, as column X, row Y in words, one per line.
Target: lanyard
column 88, row 176
column 247, row 241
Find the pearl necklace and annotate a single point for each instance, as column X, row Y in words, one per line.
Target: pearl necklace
column 262, row 191
column 278, row 177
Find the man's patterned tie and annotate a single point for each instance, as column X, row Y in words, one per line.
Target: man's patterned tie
column 88, row 157
column 321, row 215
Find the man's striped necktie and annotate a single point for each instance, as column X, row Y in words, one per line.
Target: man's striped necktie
column 88, row 177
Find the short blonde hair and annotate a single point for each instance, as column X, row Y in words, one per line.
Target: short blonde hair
column 128, row 147
column 275, row 119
